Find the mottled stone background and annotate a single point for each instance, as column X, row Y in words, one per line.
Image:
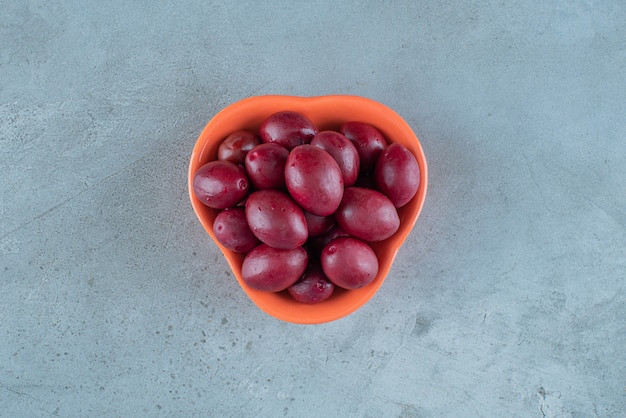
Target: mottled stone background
column 508, row 299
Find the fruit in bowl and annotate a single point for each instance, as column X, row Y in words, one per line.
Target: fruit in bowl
column 308, row 198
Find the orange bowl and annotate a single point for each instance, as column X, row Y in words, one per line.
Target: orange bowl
column 327, row 113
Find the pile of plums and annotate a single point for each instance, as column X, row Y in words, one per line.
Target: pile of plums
column 303, row 205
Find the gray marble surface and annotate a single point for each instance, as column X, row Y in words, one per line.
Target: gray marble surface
column 507, row 300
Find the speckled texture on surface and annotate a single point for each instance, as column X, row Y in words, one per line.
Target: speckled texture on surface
column 508, row 298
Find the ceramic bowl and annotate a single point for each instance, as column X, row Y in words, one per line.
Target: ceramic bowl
column 328, row 113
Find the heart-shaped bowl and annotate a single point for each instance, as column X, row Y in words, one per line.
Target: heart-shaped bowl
column 327, row 113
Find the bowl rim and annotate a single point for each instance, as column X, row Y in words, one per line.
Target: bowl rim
column 206, row 145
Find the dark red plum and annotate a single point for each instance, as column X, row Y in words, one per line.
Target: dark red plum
column 397, row 174
column 312, row 287
column 288, row 129
column 236, row 145
column 368, row 140
column 343, row 151
column 276, row 219
column 271, row 269
column 232, row 231
column 367, row 214
column 349, row 262
column 314, row 179
column 220, row 184
column 265, row 166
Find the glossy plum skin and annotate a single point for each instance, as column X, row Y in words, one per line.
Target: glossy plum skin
column 275, row 219
column 232, row 231
column 312, row 287
column 367, row 214
column 343, row 151
column 314, row 179
column 397, row 174
column 368, row 140
column 220, row 184
column 349, row 262
column 265, row 166
column 236, row 145
column 290, row 239
column 271, row 269
column 288, row 129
